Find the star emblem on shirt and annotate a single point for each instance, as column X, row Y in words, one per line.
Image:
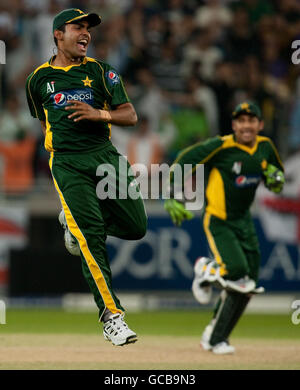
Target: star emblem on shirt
column 87, row 82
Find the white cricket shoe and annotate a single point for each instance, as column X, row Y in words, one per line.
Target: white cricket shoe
column 70, row 241
column 223, row 348
column 202, row 291
column 199, row 264
column 258, row 290
column 116, row 330
column 209, row 271
column 201, row 288
column 204, row 342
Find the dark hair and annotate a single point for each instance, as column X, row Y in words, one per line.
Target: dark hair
column 63, row 29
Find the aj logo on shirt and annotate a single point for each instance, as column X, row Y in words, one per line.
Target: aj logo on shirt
column 50, row 87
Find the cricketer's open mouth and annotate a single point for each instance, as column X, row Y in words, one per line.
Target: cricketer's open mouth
column 82, row 44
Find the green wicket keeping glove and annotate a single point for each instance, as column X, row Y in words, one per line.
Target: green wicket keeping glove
column 177, row 211
column 274, row 178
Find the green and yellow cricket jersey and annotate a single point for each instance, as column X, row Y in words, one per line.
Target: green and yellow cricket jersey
column 232, row 172
column 49, row 88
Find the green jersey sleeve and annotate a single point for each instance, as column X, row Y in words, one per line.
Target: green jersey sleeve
column 199, row 153
column 33, row 99
column 115, row 87
column 273, row 156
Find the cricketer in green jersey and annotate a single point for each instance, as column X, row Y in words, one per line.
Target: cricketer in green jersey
column 234, row 166
column 76, row 99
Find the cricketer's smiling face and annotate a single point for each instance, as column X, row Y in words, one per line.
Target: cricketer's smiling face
column 75, row 39
column 246, row 128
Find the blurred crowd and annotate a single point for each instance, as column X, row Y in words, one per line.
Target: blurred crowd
column 185, row 64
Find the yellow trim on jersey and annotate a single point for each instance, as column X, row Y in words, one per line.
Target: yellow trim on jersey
column 67, row 68
column 28, row 87
column 48, row 138
column 213, row 245
column 200, row 162
column 204, row 160
column 275, row 151
column 45, row 65
column 215, row 194
column 106, row 107
column 185, row 151
column 121, row 81
column 91, row 262
column 103, row 78
column 102, row 71
column 229, row 142
column 49, row 135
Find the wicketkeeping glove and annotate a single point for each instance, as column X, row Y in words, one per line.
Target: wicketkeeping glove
column 177, row 211
column 274, row 178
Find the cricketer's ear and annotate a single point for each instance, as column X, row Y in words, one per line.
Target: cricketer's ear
column 58, row 34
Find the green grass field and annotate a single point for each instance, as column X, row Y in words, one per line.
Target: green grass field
column 51, row 339
column 268, row 326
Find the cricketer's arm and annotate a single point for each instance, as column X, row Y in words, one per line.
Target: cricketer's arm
column 122, row 114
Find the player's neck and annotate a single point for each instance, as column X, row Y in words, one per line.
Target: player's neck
column 249, row 144
column 63, row 60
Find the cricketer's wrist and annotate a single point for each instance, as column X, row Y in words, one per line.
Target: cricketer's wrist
column 177, row 211
column 105, row 116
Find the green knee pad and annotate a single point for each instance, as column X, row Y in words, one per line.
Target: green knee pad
column 229, row 310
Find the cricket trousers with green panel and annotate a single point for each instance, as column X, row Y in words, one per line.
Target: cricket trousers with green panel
column 235, row 247
column 91, row 219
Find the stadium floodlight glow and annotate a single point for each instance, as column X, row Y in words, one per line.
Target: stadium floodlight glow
column 2, row 313
column 2, row 53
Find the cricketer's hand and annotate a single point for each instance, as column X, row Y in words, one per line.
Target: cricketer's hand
column 82, row 111
column 177, row 211
column 274, row 178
